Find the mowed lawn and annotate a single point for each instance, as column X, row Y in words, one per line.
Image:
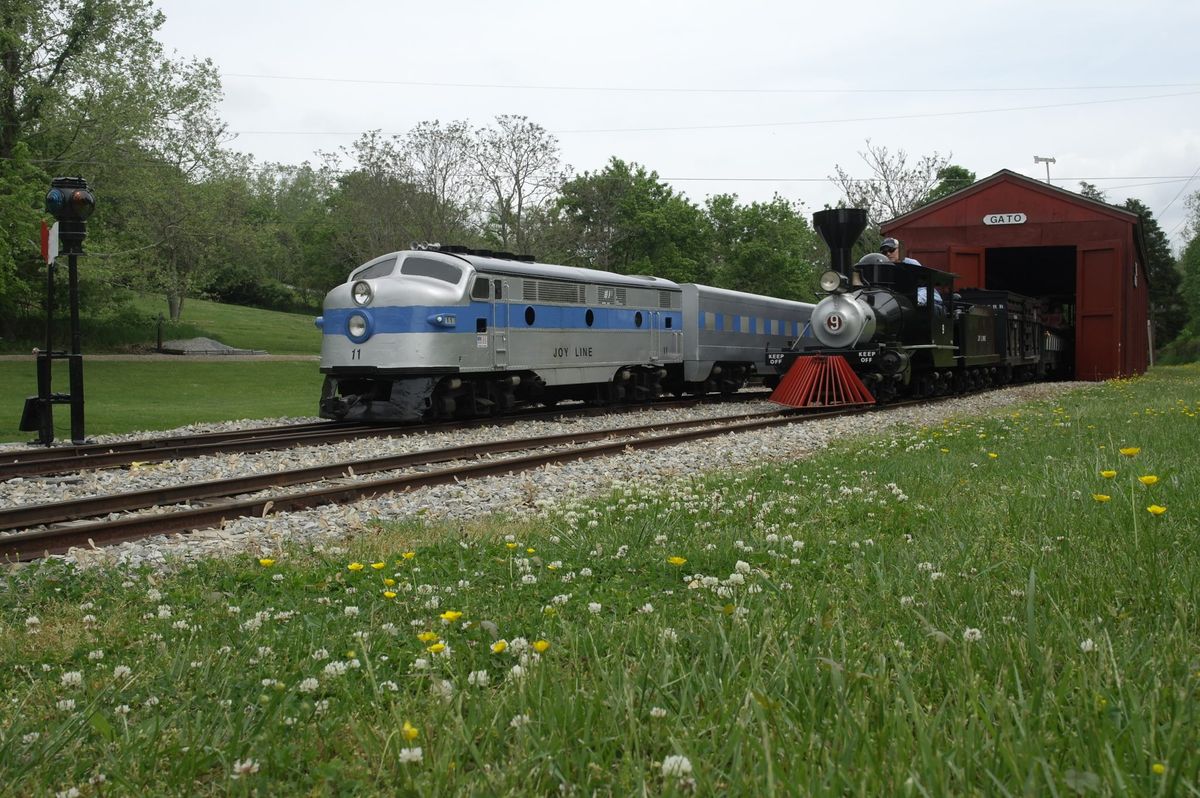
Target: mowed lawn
column 241, row 327
column 989, row 606
column 126, row 396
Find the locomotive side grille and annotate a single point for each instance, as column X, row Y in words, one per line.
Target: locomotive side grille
column 664, row 299
column 549, row 291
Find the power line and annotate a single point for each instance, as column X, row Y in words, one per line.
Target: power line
column 697, row 90
column 931, row 115
column 1180, row 193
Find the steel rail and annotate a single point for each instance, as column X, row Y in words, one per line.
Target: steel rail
column 32, row 545
column 93, row 506
column 278, row 438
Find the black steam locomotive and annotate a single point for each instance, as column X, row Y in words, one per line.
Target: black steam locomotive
column 905, row 332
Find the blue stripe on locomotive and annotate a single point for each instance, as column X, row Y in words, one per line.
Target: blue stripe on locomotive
column 415, row 318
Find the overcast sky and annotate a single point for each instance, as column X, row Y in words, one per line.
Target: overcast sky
column 751, row 98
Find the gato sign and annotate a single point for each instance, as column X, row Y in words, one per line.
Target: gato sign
column 1005, row 218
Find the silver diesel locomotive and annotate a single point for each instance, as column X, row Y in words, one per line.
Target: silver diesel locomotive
column 447, row 332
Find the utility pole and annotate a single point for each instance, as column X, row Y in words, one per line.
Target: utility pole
column 1037, row 159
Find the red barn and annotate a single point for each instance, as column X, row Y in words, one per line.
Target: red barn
column 1084, row 259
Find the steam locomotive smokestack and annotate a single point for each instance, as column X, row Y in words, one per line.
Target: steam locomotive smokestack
column 840, row 228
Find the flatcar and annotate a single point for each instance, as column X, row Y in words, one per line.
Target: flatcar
column 446, row 332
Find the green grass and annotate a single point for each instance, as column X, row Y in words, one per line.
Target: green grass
column 947, row 611
column 125, row 396
column 134, row 327
column 242, row 327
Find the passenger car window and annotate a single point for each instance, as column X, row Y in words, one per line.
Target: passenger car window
column 427, row 267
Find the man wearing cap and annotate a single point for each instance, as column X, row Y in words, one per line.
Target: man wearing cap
column 891, row 248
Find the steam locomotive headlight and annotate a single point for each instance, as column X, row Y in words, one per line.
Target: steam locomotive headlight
column 362, row 293
column 831, row 281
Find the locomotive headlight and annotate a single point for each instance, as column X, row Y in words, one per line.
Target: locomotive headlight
column 359, row 327
column 362, row 293
column 831, row 281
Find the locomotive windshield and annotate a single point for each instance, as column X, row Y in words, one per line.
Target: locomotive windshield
column 380, row 269
column 428, row 267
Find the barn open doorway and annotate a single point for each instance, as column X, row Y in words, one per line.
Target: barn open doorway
column 1047, row 273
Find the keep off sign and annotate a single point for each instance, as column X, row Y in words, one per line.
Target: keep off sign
column 1005, row 218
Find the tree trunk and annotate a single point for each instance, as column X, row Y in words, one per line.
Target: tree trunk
column 174, row 305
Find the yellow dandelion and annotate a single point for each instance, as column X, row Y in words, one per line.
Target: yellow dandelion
column 355, row 566
column 1148, row 480
column 389, row 594
column 450, row 616
column 1131, row 451
column 677, row 560
column 992, row 455
column 530, row 551
column 541, row 646
column 387, row 580
column 1101, row 497
column 436, row 648
column 408, row 555
column 499, row 647
column 409, row 732
column 944, row 450
column 1156, row 509
column 1159, row 768
column 378, row 566
column 427, row 637
column 510, row 546
column 266, row 562
column 551, row 567
column 1108, row 474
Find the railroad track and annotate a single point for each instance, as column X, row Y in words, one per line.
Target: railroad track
column 224, row 500
column 68, row 459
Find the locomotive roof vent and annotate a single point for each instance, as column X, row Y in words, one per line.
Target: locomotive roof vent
column 459, row 249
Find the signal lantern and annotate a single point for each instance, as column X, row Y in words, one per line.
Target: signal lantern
column 70, row 199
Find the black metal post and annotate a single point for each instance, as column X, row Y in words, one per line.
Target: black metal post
column 45, row 368
column 76, row 356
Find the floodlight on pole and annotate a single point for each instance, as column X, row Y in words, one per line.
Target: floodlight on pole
column 1037, row 159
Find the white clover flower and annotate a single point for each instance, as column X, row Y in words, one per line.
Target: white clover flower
column 89, row 620
column 409, row 755
column 70, row 792
column 420, row 664
column 594, row 607
column 153, row 595
column 516, row 672
column 676, row 765
column 122, row 710
column 122, row 671
column 32, row 622
column 971, row 634
column 350, row 611
column 320, row 654
column 906, row 601
column 518, row 721
column 66, row 704
column 390, row 685
column 736, row 579
column 244, row 768
column 669, row 635
column 336, row 668
column 98, row 654
column 479, row 679
column 1087, row 646
column 742, row 567
column 32, row 737
column 72, row 679
column 585, row 572
column 308, row 685
column 444, row 689
column 658, row 712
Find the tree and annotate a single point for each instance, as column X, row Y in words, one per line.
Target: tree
column 950, row 178
column 1189, row 266
column 624, row 219
column 441, row 164
column 764, row 247
column 1092, row 191
column 1166, row 303
column 518, row 165
column 895, row 187
column 85, row 89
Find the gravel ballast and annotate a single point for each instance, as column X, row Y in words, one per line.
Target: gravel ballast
column 521, row 493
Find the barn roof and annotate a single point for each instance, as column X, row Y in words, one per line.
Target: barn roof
column 1009, row 176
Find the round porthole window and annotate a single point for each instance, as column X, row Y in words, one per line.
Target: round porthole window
column 529, row 316
column 590, row 318
column 637, row 319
